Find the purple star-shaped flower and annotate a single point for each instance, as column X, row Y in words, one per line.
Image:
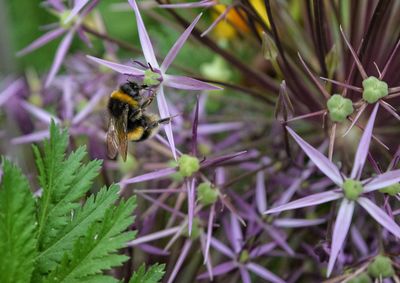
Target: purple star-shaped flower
column 179, row 82
column 351, row 190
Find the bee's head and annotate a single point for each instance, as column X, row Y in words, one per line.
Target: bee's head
column 131, row 88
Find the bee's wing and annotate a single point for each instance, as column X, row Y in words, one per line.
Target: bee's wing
column 117, row 140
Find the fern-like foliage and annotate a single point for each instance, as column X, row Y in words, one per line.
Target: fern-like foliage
column 152, row 275
column 62, row 238
column 96, row 251
column 17, row 226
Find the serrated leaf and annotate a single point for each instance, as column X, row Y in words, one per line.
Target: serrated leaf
column 93, row 210
column 97, row 250
column 17, row 226
column 49, row 167
column 153, row 275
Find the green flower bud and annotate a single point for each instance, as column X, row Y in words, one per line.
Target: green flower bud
column 361, row 278
column 381, row 267
column 151, row 78
column 352, row 189
column 339, row 108
column 244, row 256
column 391, row 190
column 188, row 165
column 206, row 194
column 196, row 229
column 374, row 89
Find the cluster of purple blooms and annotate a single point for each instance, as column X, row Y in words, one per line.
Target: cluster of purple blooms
column 216, row 205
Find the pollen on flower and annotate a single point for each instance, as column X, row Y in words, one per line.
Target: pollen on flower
column 352, row 189
column 63, row 16
column 339, row 108
column 151, row 78
column 188, row 165
column 207, row 194
column 374, row 89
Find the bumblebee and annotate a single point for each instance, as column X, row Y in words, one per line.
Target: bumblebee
column 128, row 119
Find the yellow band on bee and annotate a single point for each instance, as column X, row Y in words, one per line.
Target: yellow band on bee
column 124, row 98
column 136, row 134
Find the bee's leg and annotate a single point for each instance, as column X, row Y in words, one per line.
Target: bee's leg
column 149, row 100
column 157, row 123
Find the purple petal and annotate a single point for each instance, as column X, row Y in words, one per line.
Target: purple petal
column 262, row 250
column 182, row 255
column 218, row 20
column 164, row 113
column 191, row 202
column 323, row 163
column 60, row 54
column 220, row 159
column 380, row 216
column 83, row 36
column 340, row 231
column 44, row 39
column 186, row 83
column 147, row 47
column 154, row 236
column 33, row 137
column 198, row 4
column 178, row 45
column 296, row 223
column 67, row 99
column 216, row 128
column 244, row 274
column 264, row 273
column 383, row 180
column 363, row 146
column 307, row 201
column 149, row 176
column 261, row 196
column 123, row 69
column 209, row 232
column 236, row 233
column 153, row 250
column 40, row 113
column 79, row 4
column 220, row 269
column 358, row 241
column 222, row 248
column 89, row 107
column 278, row 237
column 10, row 90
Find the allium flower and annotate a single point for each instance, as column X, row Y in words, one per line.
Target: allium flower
column 76, row 122
column 240, row 257
column 156, row 74
column 352, row 190
column 65, row 26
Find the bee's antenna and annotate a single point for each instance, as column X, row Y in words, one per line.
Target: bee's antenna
column 151, row 68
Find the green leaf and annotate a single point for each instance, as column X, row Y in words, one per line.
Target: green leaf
column 17, row 226
column 50, row 169
column 65, row 181
column 94, row 209
column 97, row 250
column 152, row 275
